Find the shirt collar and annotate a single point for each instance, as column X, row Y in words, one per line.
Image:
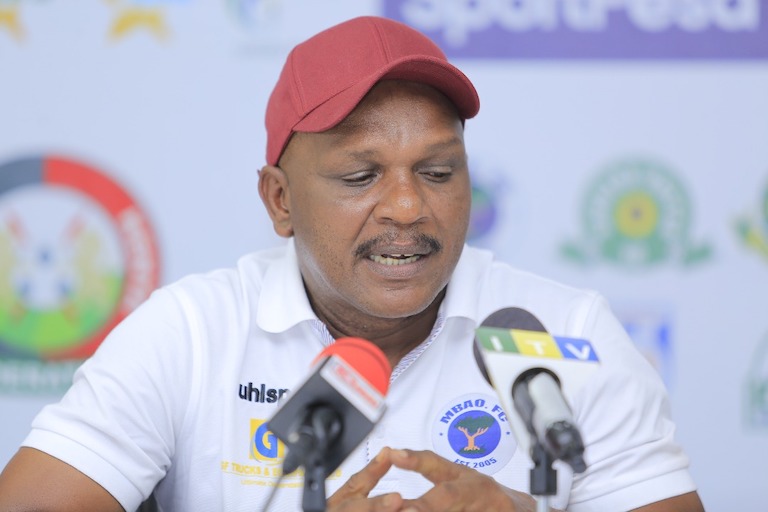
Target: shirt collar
column 283, row 302
column 462, row 297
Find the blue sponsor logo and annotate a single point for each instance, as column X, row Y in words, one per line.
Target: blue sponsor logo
column 590, row 29
column 650, row 328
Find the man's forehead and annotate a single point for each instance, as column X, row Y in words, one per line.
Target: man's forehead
column 387, row 91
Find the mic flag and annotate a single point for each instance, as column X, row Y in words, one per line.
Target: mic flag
column 512, row 348
column 336, row 407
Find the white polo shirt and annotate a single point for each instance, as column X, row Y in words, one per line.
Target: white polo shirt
column 178, row 395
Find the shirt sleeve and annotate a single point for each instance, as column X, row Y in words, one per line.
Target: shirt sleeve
column 117, row 422
column 625, row 417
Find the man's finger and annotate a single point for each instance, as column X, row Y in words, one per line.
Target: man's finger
column 430, row 465
column 384, row 503
column 363, row 482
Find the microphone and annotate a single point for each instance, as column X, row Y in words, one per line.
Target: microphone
column 331, row 412
column 533, row 372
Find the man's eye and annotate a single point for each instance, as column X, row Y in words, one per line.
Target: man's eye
column 435, row 175
column 362, row 178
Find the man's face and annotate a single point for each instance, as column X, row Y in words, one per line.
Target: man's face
column 379, row 205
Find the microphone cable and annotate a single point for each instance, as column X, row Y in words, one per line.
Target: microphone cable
column 272, row 494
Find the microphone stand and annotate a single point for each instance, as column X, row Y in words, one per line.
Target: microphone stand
column 543, row 476
column 314, row 483
column 309, row 448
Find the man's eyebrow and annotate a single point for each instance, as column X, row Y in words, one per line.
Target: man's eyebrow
column 432, row 148
column 446, row 144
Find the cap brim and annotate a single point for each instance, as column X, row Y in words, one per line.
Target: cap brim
column 423, row 69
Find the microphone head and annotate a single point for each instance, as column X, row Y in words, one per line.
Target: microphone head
column 512, row 345
column 350, row 378
column 506, row 318
column 514, row 318
column 364, row 357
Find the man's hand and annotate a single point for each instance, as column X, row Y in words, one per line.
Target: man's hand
column 353, row 495
column 457, row 488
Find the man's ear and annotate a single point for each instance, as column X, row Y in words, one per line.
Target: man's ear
column 275, row 194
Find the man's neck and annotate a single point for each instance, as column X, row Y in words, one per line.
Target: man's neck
column 396, row 337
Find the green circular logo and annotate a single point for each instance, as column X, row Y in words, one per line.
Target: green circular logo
column 636, row 213
column 76, row 256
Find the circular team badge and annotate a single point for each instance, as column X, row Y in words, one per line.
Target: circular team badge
column 77, row 255
column 473, row 430
column 637, row 214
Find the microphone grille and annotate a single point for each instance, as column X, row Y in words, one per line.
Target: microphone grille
column 366, row 358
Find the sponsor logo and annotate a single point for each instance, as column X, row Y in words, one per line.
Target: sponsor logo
column 484, row 213
column 261, row 394
column 636, row 214
column 650, row 327
column 261, row 25
column 140, row 15
column 9, row 19
column 753, row 229
column 254, row 15
column 77, row 254
column 265, row 446
column 472, row 430
column 497, row 215
column 265, row 460
column 756, row 407
column 590, row 29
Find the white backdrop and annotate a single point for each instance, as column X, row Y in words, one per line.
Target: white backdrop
column 166, row 99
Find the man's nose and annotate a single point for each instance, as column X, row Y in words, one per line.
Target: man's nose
column 402, row 199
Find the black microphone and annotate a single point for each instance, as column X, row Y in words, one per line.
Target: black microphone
column 531, row 370
column 331, row 413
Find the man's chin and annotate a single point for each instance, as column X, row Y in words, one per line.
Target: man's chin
column 394, row 307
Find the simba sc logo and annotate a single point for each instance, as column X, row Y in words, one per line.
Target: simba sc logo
column 655, row 29
column 636, row 214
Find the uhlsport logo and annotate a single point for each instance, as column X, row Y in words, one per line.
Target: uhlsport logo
column 77, row 254
column 472, row 430
column 636, row 214
column 590, row 29
column 753, row 229
column 756, row 407
column 140, row 15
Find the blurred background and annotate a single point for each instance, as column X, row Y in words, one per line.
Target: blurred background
column 621, row 146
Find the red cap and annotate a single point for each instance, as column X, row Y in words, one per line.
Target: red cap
column 326, row 76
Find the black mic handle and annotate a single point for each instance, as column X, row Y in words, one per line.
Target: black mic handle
column 563, row 441
column 543, row 475
column 312, row 441
column 319, row 429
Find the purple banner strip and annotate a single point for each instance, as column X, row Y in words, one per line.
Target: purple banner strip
column 591, row 29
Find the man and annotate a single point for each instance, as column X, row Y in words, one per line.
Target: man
column 367, row 177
